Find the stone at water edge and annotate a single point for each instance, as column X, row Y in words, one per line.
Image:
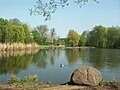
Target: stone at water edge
column 86, row 75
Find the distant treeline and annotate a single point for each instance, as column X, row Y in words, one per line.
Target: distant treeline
column 99, row 36
column 104, row 37
column 15, row 31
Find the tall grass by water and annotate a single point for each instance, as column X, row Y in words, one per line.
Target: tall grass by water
column 17, row 46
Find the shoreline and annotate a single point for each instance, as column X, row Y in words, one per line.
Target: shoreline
column 31, row 83
column 62, row 47
column 50, row 86
column 17, row 46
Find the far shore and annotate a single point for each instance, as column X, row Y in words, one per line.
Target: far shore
column 82, row 47
column 63, row 47
column 21, row 46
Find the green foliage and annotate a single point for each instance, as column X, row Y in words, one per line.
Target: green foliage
column 102, row 83
column 36, row 36
column 15, row 21
column 104, row 37
column 42, row 37
column 113, row 37
column 97, row 37
column 3, row 23
column 52, row 36
column 83, row 39
column 2, row 33
column 73, row 38
column 30, row 78
column 28, row 38
column 14, row 31
column 43, row 30
column 47, row 7
column 61, row 41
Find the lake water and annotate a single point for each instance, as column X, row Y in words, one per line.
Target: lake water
column 46, row 63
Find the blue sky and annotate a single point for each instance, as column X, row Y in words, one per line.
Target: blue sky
column 106, row 13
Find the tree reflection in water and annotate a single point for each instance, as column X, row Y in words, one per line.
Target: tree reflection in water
column 106, row 60
column 42, row 58
column 15, row 61
column 99, row 58
column 72, row 55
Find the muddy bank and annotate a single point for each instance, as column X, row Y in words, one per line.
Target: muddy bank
column 43, row 86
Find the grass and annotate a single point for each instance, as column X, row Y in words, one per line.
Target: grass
column 17, row 46
column 30, row 82
column 29, row 78
column 102, row 83
column 51, row 46
column 44, row 46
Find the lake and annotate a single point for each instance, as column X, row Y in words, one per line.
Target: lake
column 46, row 63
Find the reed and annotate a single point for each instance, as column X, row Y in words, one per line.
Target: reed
column 17, row 46
column 28, row 79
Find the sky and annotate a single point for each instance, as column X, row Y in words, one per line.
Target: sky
column 106, row 13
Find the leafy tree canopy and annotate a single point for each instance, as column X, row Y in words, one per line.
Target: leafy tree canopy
column 73, row 38
column 47, row 7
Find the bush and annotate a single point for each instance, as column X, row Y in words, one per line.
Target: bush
column 29, row 78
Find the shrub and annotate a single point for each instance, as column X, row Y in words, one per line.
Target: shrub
column 29, row 78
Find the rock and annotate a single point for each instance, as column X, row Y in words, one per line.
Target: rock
column 86, row 75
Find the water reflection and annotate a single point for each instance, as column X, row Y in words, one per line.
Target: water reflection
column 72, row 55
column 42, row 58
column 106, row 60
column 17, row 53
column 15, row 61
column 99, row 58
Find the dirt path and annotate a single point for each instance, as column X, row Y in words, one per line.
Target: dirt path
column 39, row 87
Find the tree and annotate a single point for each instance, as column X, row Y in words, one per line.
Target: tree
column 9, row 33
column 97, row 37
column 15, row 21
column 3, row 23
column 36, row 36
column 13, row 31
column 28, row 38
column 43, row 30
column 113, row 37
column 47, row 7
column 83, row 39
column 61, row 41
column 73, row 38
column 52, row 35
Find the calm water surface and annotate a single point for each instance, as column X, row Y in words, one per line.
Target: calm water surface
column 46, row 63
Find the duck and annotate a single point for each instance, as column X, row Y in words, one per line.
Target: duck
column 62, row 65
